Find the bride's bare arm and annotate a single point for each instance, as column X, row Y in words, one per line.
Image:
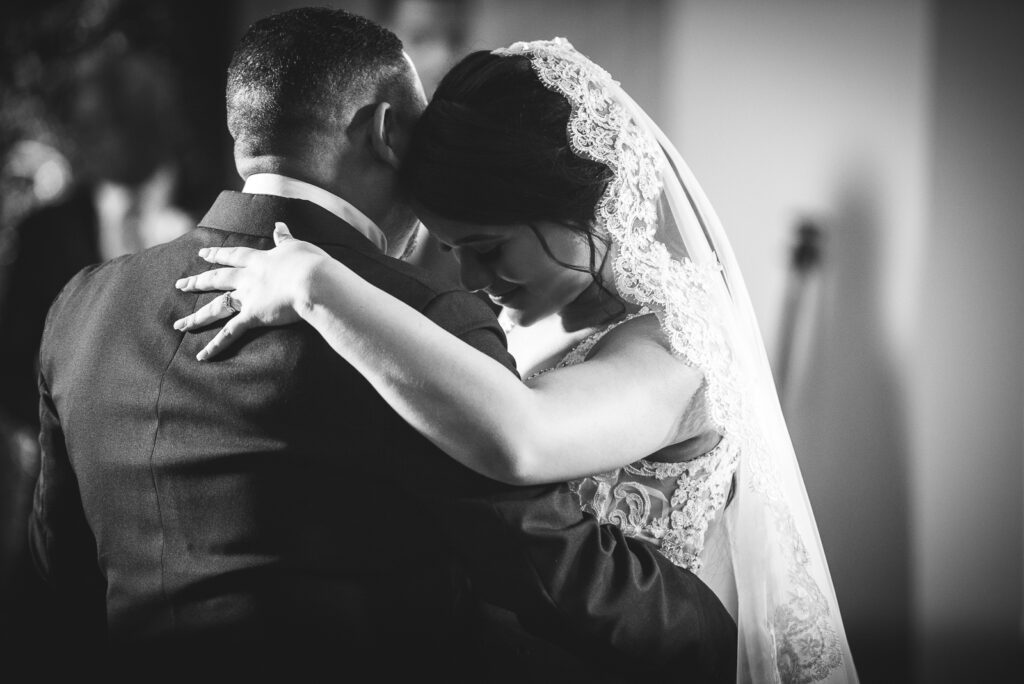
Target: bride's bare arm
column 622, row 405
column 625, row 403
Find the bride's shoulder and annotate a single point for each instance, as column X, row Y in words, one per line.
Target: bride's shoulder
column 638, row 336
column 638, row 351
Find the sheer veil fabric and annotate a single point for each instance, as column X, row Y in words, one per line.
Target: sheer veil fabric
column 670, row 254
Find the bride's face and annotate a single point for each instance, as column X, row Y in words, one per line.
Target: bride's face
column 523, row 268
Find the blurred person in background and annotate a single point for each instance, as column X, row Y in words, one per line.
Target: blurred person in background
column 33, row 174
column 125, row 128
column 124, row 132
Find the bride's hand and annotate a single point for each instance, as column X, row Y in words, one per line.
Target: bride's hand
column 262, row 287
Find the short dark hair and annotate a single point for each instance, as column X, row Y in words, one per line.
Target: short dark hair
column 294, row 72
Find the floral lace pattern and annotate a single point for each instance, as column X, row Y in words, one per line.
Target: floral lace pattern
column 604, row 127
column 667, row 504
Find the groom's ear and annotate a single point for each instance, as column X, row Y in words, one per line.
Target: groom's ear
column 383, row 135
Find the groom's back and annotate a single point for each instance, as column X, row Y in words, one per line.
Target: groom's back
column 251, row 496
column 252, row 499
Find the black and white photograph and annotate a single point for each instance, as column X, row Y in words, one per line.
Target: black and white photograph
column 512, row 341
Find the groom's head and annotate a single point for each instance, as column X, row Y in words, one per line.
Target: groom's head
column 328, row 97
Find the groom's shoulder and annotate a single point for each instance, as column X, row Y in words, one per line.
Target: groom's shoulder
column 415, row 286
column 443, row 301
column 132, row 271
column 122, row 283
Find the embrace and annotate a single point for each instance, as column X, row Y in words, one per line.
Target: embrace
column 570, row 466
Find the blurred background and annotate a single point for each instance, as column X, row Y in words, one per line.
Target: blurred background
column 866, row 158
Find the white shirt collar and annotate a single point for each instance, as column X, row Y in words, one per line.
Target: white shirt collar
column 283, row 186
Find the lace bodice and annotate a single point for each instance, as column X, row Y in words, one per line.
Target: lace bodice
column 667, row 504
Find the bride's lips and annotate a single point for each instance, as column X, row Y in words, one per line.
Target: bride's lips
column 505, row 296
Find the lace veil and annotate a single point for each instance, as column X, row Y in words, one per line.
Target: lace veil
column 671, row 255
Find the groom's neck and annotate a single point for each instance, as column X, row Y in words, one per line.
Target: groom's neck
column 285, row 166
column 322, row 176
column 370, row 188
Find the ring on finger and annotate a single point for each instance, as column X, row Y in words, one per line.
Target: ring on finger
column 231, row 303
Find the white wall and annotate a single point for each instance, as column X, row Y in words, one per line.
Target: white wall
column 623, row 37
column 898, row 125
column 791, row 108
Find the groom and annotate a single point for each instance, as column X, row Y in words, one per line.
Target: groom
column 270, row 504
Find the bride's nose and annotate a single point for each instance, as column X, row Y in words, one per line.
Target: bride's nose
column 473, row 274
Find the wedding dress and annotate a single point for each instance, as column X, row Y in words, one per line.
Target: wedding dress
column 736, row 510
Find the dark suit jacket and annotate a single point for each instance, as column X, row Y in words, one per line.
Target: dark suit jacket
column 270, row 498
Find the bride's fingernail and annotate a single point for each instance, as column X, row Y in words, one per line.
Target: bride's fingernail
column 201, row 356
column 180, row 283
column 204, row 251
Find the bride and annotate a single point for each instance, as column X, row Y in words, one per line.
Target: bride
column 644, row 378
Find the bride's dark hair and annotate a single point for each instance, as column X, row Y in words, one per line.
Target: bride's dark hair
column 492, row 148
